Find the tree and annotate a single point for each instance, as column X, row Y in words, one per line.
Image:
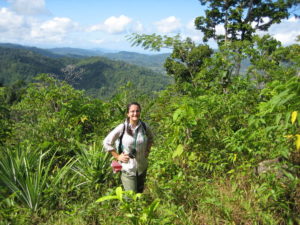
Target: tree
column 241, row 18
column 72, row 73
column 4, row 116
column 186, row 59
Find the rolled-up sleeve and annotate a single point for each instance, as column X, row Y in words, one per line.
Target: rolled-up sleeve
column 110, row 140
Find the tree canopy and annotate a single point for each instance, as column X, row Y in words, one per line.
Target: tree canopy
column 241, row 18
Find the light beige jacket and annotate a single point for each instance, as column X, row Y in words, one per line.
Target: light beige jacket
column 140, row 163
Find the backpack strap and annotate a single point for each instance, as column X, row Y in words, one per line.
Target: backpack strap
column 120, row 150
column 144, row 127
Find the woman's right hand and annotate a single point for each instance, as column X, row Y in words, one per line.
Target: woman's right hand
column 123, row 157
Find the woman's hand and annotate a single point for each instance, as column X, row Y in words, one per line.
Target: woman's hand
column 123, row 158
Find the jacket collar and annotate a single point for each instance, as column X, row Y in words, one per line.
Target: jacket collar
column 128, row 124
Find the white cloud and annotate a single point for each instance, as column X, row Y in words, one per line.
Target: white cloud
column 287, row 38
column 26, row 29
column 293, row 19
column 137, row 27
column 287, row 31
column 192, row 32
column 262, row 21
column 220, row 29
column 191, row 25
column 95, row 28
column 58, row 25
column 12, row 26
column 28, row 7
column 196, row 38
column 168, row 25
column 113, row 25
column 98, row 41
column 117, row 24
column 53, row 30
column 10, row 20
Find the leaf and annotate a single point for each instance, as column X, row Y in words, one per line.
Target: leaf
column 83, row 118
column 119, row 193
column 119, row 196
column 193, row 156
column 294, row 116
column 297, row 141
column 278, row 118
column 130, row 215
column 137, row 196
column 177, row 114
column 154, row 206
column 234, row 157
column 231, row 171
column 45, row 144
column 178, row 151
column 149, row 211
column 105, row 198
column 288, row 136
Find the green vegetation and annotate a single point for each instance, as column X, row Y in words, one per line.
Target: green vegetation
column 153, row 61
column 102, row 77
column 241, row 18
column 227, row 148
column 20, row 64
column 99, row 76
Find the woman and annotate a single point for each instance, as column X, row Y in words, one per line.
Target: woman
column 136, row 144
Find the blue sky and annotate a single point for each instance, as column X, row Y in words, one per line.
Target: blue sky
column 106, row 23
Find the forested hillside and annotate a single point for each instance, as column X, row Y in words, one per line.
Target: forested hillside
column 102, row 77
column 20, row 64
column 99, row 76
column 154, row 62
column 151, row 61
column 227, row 142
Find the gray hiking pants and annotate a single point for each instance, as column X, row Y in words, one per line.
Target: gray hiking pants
column 134, row 183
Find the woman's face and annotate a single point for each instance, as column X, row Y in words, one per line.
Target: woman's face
column 134, row 113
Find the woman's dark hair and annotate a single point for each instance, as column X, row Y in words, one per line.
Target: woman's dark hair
column 128, row 130
column 133, row 103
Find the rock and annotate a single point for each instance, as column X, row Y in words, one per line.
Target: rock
column 271, row 165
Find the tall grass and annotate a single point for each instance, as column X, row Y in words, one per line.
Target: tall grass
column 27, row 173
column 92, row 165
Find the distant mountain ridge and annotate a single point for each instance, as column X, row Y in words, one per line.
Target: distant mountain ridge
column 41, row 51
column 77, row 52
column 100, row 76
column 154, row 62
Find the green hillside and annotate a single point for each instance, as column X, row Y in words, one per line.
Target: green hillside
column 103, row 76
column 99, row 76
column 74, row 52
column 41, row 51
column 22, row 64
column 154, row 62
